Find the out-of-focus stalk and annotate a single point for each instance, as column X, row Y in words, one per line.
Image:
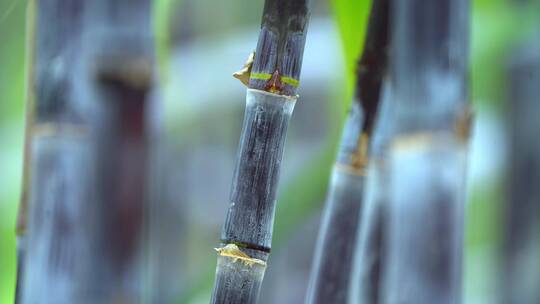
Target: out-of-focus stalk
column 329, row 281
column 521, row 247
column 165, row 217
column 94, row 66
column 117, row 70
column 427, row 154
column 273, row 80
column 368, row 264
column 56, row 154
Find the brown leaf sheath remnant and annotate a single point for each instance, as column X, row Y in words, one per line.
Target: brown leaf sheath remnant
column 232, row 251
column 244, row 74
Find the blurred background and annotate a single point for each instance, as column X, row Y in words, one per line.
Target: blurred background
column 202, row 42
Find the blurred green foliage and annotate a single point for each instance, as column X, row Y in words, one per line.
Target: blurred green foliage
column 12, row 75
column 163, row 11
column 497, row 26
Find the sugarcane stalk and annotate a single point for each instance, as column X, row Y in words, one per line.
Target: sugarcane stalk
column 165, row 217
column 521, row 216
column 331, row 270
column 368, row 264
column 93, row 71
column 427, row 153
column 55, row 142
column 272, row 87
column 117, row 68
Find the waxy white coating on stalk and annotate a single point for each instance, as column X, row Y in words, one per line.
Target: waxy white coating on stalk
column 427, row 159
column 238, row 279
column 57, row 245
column 250, row 218
column 334, row 254
column 521, row 243
column 253, row 196
column 425, row 219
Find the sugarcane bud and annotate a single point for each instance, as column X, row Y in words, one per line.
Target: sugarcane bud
column 274, row 84
column 464, row 123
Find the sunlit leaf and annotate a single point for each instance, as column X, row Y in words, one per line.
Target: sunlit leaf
column 351, row 17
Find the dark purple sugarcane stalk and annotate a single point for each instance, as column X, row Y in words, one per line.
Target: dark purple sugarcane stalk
column 94, row 67
column 117, row 68
column 521, row 216
column 329, row 281
column 56, row 144
column 273, row 81
column 369, row 252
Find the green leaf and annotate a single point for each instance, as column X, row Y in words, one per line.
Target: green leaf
column 496, row 29
column 162, row 20
column 351, row 17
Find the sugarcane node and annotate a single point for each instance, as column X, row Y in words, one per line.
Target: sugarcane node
column 349, row 169
column 247, row 245
column 245, row 73
column 50, row 129
column 359, row 159
column 234, row 252
column 132, row 71
column 424, row 139
column 21, row 225
column 463, row 124
column 285, row 98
